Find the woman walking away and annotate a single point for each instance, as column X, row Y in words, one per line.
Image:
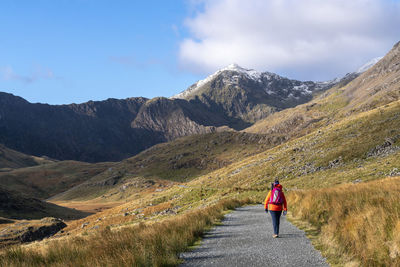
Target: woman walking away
column 275, row 202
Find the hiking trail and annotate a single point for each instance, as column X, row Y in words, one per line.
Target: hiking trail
column 245, row 239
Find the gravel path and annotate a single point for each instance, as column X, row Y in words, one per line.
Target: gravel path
column 245, row 239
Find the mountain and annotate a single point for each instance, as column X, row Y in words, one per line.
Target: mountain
column 357, row 92
column 111, row 130
column 92, row 131
column 14, row 205
column 248, row 95
column 11, row 159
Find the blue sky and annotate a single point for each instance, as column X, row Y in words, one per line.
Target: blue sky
column 65, row 51
column 68, row 51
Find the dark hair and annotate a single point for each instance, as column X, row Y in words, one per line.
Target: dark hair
column 276, row 181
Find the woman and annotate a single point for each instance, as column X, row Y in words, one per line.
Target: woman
column 275, row 202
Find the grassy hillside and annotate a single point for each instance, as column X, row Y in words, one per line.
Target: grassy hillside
column 376, row 87
column 16, row 206
column 353, row 150
column 157, row 244
column 358, row 224
column 46, row 180
column 11, row 159
column 178, row 161
column 358, row 149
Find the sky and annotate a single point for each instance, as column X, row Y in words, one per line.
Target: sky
column 73, row 51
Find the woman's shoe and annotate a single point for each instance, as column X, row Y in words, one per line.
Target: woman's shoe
column 275, row 236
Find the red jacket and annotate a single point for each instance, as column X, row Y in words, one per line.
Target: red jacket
column 273, row 206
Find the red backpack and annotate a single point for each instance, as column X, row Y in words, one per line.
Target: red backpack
column 276, row 196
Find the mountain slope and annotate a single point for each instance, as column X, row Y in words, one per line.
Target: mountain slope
column 47, row 180
column 248, row 95
column 82, row 132
column 13, row 159
column 16, row 206
column 164, row 164
column 375, row 87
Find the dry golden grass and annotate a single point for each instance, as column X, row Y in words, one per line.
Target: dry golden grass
column 152, row 244
column 87, row 206
column 361, row 221
column 157, row 208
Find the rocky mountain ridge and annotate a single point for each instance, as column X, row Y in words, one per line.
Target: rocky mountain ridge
column 111, row 130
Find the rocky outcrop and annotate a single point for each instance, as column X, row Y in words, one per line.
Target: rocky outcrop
column 28, row 231
column 171, row 119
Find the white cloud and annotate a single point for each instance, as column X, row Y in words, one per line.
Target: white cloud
column 8, row 74
column 307, row 39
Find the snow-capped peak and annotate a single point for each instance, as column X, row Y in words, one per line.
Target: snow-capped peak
column 250, row 72
column 368, row 65
column 232, row 67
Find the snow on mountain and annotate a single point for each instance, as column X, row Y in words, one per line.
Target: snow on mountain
column 262, row 77
column 368, row 65
column 253, row 74
column 249, row 73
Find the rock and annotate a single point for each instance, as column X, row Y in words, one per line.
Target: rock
column 394, row 172
column 335, row 163
column 84, row 225
column 357, row 181
column 33, row 230
column 385, row 149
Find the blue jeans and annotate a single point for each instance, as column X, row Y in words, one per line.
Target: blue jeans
column 276, row 217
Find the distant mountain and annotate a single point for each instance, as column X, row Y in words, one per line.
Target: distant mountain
column 92, row 131
column 111, row 130
column 248, row 95
column 11, row 159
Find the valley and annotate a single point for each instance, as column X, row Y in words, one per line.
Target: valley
column 214, row 147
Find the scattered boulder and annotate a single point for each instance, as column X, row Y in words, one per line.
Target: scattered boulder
column 394, row 172
column 29, row 231
column 335, row 163
column 385, row 149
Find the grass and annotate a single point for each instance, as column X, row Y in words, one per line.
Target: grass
column 91, row 207
column 181, row 160
column 16, row 206
column 151, row 244
column 342, row 219
column 356, row 224
column 13, row 159
column 44, row 181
